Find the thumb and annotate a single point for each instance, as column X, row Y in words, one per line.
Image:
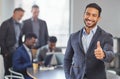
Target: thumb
column 98, row 44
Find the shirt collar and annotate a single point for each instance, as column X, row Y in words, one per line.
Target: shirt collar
column 93, row 30
column 33, row 19
column 26, row 47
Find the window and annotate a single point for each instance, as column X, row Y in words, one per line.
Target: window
column 54, row 12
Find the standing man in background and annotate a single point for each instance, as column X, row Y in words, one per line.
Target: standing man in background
column 89, row 48
column 37, row 26
column 9, row 37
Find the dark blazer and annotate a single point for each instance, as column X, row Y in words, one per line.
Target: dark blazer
column 43, row 31
column 76, row 60
column 21, row 61
column 7, row 36
column 7, row 42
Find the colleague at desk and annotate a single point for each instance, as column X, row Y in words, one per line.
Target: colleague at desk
column 22, row 58
column 51, row 47
column 88, row 49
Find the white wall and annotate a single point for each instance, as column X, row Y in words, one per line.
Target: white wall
column 110, row 15
column 6, row 10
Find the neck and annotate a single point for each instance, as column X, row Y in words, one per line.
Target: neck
column 87, row 30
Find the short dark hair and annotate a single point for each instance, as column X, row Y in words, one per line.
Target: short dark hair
column 35, row 6
column 52, row 39
column 96, row 6
column 19, row 9
column 30, row 35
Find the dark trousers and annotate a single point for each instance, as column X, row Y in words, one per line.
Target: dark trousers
column 8, row 64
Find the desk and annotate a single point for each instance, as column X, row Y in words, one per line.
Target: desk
column 58, row 73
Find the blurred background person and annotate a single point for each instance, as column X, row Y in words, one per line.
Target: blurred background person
column 22, row 58
column 50, row 47
column 9, row 37
column 37, row 26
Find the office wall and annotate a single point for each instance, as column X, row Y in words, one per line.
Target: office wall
column 6, row 9
column 110, row 20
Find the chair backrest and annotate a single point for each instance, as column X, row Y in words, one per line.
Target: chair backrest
column 15, row 74
column 12, row 76
column 2, row 69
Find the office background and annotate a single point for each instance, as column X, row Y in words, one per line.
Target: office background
column 109, row 21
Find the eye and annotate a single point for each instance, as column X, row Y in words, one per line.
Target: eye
column 88, row 14
column 94, row 15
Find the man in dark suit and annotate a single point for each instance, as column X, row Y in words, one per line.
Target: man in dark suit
column 89, row 48
column 22, row 58
column 9, row 36
column 37, row 26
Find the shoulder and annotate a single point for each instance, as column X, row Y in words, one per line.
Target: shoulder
column 27, row 20
column 6, row 24
column 104, row 33
column 41, row 20
column 21, row 49
column 76, row 34
column 45, row 47
column 7, row 21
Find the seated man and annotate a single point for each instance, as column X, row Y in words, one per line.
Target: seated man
column 22, row 58
column 51, row 47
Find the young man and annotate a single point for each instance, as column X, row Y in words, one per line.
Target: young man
column 50, row 47
column 9, row 37
column 89, row 48
column 22, row 58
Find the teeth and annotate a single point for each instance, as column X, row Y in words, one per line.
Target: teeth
column 89, row 21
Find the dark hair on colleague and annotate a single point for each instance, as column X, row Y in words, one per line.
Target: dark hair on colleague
column 30, row 35
column 35, row 6
column 18, row 9
column 52, row 39
column 94, row 5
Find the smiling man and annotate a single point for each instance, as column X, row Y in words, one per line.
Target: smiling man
column 89, row 48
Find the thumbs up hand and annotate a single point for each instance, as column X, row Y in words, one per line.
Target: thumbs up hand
column 99, row 54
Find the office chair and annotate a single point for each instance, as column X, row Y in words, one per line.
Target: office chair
column 14, row 74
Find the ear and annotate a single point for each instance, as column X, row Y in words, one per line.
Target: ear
column 99, row 18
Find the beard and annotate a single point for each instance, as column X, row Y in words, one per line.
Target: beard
column 29, row 46
column 89, row 23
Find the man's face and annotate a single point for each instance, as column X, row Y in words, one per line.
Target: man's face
column 52, row 45
column 18, row 15
column 35, row 12
column 30, row 42
column 91, row 17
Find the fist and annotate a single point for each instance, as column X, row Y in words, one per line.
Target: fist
column 99, row 54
